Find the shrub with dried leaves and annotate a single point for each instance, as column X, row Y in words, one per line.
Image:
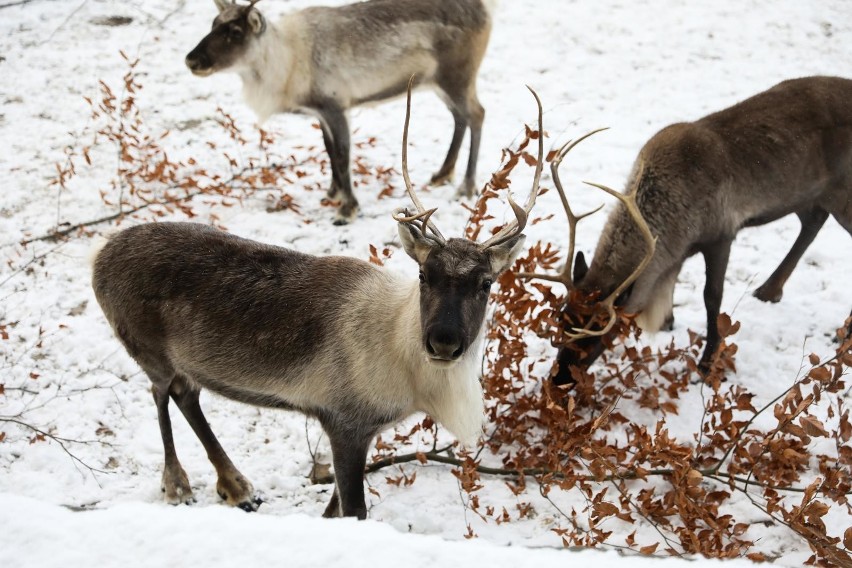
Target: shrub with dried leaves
column 579, row 440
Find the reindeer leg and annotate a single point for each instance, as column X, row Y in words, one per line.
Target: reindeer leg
column 839, row 335
column 175, row 483
column 445, row 174
column 812, row 221
column 477, row 116
column 150, row 354
column 328, row 140
column 333, row 508
column 349, row 447
column 338, row 127
column 716, row 262
column 459, row 94
column 231, row 486
column 842, row 213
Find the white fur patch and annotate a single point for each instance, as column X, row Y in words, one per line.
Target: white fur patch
column 393, row 370
column 652, row 317
column 453, row 397
column 277, row 71
column 98, row 243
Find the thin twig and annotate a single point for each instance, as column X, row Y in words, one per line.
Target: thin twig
column 65, row 21
column 18, row 3
column 537, row 472
column 59, row 440
column 114, row 216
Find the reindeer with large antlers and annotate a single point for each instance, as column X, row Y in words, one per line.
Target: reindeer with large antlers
column 695, row 185
column 336, row 338
column 585, row 334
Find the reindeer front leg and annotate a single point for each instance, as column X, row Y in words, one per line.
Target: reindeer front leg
column 349, row 447
column 716, row 261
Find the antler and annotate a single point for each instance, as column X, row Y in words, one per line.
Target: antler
column 564, row 277
column 514, row 228
column 423, row 215
column 629, row 202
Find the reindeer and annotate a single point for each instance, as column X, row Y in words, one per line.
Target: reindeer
column 336, row 338
column 695, row 185
column 323, row 61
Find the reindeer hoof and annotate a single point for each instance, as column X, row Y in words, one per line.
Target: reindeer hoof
column 768, row 294
column 175, row 486
column 236, row 490
column 251, row 506
column 346, row 214
column 333, row 190
column 440, row 178
column 465, row 190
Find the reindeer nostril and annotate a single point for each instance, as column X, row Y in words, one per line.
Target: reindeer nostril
column 444, row 344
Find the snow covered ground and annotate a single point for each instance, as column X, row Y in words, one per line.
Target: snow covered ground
column 632, row 66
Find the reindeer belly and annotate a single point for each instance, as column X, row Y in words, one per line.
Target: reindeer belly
column 279, row 367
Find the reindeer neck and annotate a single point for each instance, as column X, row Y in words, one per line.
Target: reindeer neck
column 277, row 78
column 451, row 395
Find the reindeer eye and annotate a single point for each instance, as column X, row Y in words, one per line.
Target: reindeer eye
column 486, row 285
column 422, row 277
column 235, row 33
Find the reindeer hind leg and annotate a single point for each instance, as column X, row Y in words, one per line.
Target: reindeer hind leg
column 232, row 486
column 328, row 140
column 336, row 130
column 773, row 289
column 460, row 125
column 457, row 87
column 175, row 483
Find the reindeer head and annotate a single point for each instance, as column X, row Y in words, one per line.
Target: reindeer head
column 456, row 274
column 233, row 31
column 584, row 336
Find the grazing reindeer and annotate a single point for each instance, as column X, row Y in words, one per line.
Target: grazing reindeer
column 323, row 61
column 786, row 150
column 333, row 337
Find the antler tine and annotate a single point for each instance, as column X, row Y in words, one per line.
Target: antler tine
column 514, row 228
column 564, row 277
column 629, row 202
column 401, row 215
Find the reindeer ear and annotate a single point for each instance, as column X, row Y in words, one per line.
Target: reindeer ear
column 222, row 4
column 580, row 267
column 504, row 254
column 415, row 244
column 256, row 21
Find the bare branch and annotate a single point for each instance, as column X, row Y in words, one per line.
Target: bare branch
column 59, row 440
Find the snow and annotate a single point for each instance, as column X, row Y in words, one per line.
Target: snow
column 144, row 534
column 632, row 66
